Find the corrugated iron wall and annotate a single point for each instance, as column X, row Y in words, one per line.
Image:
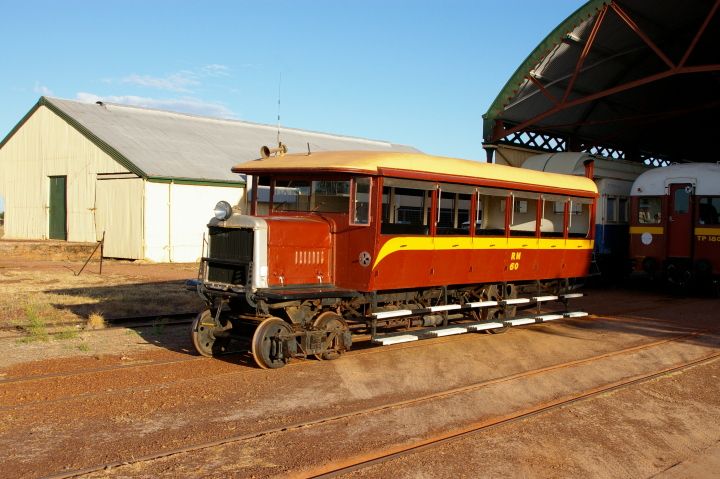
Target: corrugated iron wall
column 47, row 146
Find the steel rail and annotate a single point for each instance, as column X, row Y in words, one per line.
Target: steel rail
column 367, row 460
column 118, row 323
column 347, row 466
column 301, row 363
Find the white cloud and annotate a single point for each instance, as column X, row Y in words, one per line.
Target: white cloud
column 178, row 82
column 190, row 105
column 42, row 89
column 215, row 70
column 181, row 82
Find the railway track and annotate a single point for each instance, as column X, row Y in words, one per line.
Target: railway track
column 397, row 451
column 113, row 323
column 379, row 457
column 364, row 348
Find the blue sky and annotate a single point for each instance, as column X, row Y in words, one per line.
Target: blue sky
column 420, row 72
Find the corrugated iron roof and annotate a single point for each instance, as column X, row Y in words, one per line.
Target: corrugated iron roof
column 163, row 144
column 636, row 75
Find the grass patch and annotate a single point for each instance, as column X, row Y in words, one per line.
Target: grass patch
column 158, row 328
column 95, row 321
column 83, row 347
column 35, row 326
column 67, row 333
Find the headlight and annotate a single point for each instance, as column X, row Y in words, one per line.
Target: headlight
column 223, row 210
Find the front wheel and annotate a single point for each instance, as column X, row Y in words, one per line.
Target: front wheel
column 203, row 333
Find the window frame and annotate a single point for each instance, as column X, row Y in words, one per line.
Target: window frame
column 353, row 192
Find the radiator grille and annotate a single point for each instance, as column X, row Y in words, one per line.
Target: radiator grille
column 230, row 255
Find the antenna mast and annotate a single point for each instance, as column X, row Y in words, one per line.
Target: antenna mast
column 278, row 111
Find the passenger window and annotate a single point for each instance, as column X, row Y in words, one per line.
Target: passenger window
column 610, row 211
column 579, row 226
column 649, row 210
column 490, row 216
column 361, row 201
column 709, row 210
column 405, row 211
column 524, row 215
column 623, row 209
column 552, row 224
column 454, row 213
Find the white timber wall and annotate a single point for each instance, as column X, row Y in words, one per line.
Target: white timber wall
column 176, row 218
column 44, row 146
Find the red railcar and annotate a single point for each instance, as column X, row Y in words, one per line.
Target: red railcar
column 675, row 225
column 366, row 241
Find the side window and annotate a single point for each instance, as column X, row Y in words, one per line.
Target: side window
column 579, row 220
column 406, row 211
column 490, row 215
column 360, row 214
column 649, row 208
column 709, row 210
column 611, row 209
column 552, row 223
column 454, row 214
column 623, row 209
column 524, row 214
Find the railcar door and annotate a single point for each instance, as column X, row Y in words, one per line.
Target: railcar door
column 679, row 224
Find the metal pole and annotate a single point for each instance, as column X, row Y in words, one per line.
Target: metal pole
column 102, row 250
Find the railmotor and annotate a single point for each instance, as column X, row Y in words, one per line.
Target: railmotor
column 361, row 242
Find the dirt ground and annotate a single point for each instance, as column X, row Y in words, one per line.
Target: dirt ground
column 39, row 297
column 115, row 403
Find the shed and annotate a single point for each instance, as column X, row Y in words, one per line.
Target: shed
column 634, row 80
column 147, row 179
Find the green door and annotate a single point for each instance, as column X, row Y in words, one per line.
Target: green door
column 58, row 207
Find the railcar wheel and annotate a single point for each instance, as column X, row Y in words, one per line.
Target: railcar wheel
column 333, row 323
column 267, row 345
column 492, row 292
column 203, row 337
column 500, row 292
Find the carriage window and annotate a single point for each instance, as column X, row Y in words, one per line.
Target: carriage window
column 553, row 217
column 709, row 210
column 623, row 209
column 610, row 211
column 579, row 226
column 524, row 216
column 405, row 211
column 454, row 213
column 649, row 210
column 361, row 201
column 490, row 216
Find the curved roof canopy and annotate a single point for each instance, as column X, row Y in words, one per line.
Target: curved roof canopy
column 633, row 79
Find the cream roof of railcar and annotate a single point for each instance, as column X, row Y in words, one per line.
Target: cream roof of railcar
column 410, row 165
column 705, row 177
